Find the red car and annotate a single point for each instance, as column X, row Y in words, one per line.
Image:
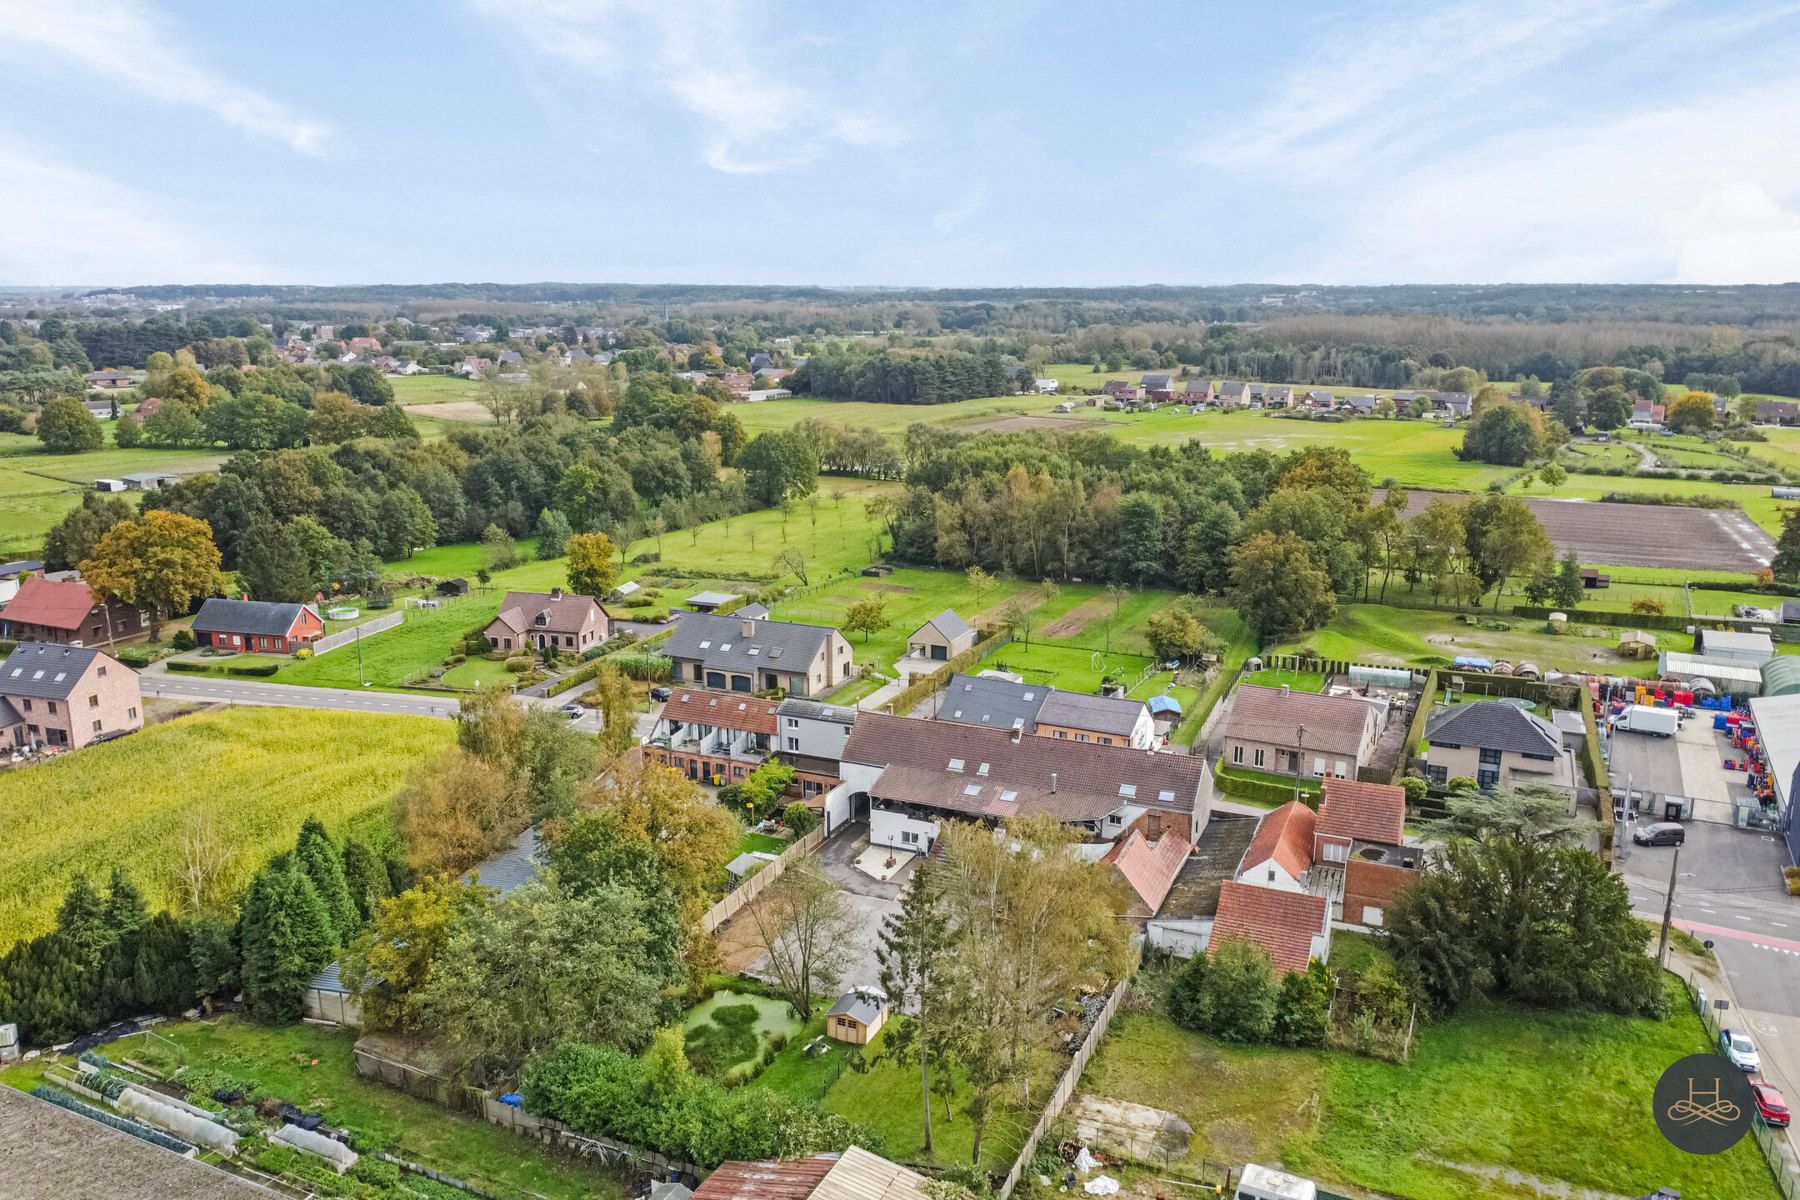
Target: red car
column 1769, row 1104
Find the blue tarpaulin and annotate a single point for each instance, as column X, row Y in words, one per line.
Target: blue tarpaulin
column 1164, row 704
column 1471, row 663
column 513, row 1098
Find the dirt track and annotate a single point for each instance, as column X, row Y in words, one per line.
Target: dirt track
column 1645, row 535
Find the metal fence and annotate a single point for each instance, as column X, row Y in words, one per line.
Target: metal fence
column 1065, row 1088
column 610, row 1151
column 344, row 637
column 752, row 887
column 1772, row 1145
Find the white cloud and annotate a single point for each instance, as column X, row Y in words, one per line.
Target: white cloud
column 1707, row 192
column 1376, row 89
column 714, row 58
column 132, row 44
column 69, row 226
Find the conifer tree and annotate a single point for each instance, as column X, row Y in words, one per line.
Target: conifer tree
column 367, row 878
column 918, row 973
column 286, row 938
column 318, row 856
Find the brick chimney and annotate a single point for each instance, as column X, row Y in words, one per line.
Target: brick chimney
column 747, row 627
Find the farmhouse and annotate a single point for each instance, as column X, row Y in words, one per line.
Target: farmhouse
column 1495, row 744
column 715, row 737
column 1294, row 927
column 943, row 637
column 1777, row 412
column 1279, row 730
column 65, row 697
column 257, row 625
column 811, row 740
column 553, row 620
column 66, row 612
column 738, row 654
column 112, row 379
column 906, row 777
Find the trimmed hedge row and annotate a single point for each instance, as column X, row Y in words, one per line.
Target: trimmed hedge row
column 1675, row 622
column 253, row 670
column 1258, row 789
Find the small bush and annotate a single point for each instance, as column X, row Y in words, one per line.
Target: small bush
column 183, row 639
column 519, row 664
column 456, row 660
column 799, row 818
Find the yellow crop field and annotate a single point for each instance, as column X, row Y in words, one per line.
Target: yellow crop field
column 257, row 772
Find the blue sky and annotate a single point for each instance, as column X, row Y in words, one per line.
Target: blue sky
column 998, row 142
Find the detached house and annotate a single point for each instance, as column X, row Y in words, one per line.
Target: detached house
column 65, row 697
column 1278, row 729
column 1234, row 393
column 942, row 638
column 1159, row 387
column 67, row 612
column 1497, row 745
column 1198, row 391
column 257, row 626
column 738, row 654
column 555, row 620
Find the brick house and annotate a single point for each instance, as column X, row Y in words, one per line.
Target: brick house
column 1359, row 851
column 1277, row 729
column 553, row 620
column 65, row 697
column 256, row 626
column 741, row 654
column 67, row 612
column 1497, row 745
column 713, row 737
column 1294, row 927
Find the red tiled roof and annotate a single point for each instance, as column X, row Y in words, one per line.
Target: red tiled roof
column 1370, row 812
column 793, row 1180
column 56, row 603
column 1283, row 923
column 1149, row 867
column 1285, row 835
column 722, row 710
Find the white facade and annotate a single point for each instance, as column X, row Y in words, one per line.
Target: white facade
column 900, row 831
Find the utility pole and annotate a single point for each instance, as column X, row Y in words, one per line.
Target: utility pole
column 1662, row 943
column 1299, row 758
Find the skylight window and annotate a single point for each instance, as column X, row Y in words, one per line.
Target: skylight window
column 756, row 650
column 724, row 646
column 974, row 789
column 1009, row 794
column 982, row 770
column 956, row 764
column 1166, row 796
column 1128, row 790
column 1030, row 695
column 957, row 714
column 706, row 645
column 775, row 653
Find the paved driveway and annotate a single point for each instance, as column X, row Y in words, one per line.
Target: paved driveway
column 871, row 899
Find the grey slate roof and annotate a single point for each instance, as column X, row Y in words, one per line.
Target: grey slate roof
column 863, row 1005
column 8, row 570
column 949, row 624
column 512, row 868
column 794, row 706
column 719, row 643
column 268, row 618
column 1790, row 610
column 8, row 714
column 1102, row 714
column 754, row 612
column 1492, row 725
column 45, row 672
column 994, row 703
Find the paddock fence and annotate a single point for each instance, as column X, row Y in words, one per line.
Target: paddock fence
column 344, row 637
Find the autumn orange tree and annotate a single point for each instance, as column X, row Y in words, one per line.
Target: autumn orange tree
column 161, row 562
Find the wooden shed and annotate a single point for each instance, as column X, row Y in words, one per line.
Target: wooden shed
column 858, row 1016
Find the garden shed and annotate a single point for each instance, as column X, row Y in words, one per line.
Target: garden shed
column 858, row 1016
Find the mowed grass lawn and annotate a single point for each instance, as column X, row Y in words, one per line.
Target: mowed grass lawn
column 255, row 772
column 433, row 389
column 1071, row 668
column 1377, row 633
column 312, row 1066
column 1561, row 1097
column 422, row 641
column 886, row 1098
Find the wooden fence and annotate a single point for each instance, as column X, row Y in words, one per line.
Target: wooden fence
column 748, row 890
column 344, row 637
column 1065, row 1088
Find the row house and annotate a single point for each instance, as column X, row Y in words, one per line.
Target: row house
column 713, row 737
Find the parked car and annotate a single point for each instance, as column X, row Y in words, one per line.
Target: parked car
column 574, row 711
column 1770, row 1105
column 1739, row 1050
column 659, row 692
column 1659, row 833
